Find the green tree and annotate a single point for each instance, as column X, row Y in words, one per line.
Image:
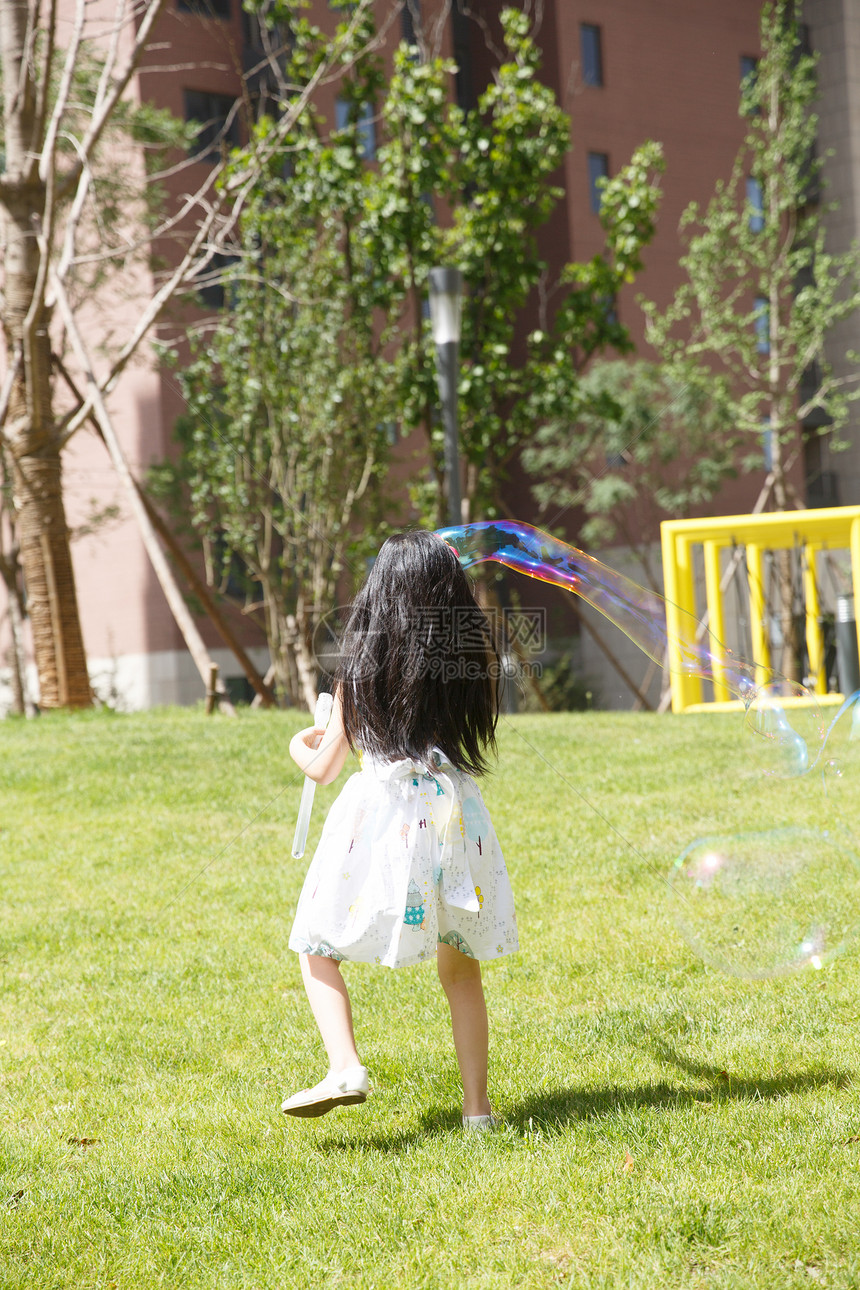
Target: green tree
column 445, row 186
column 491, row 171
column 71, row 222
column 58, row 107
column 290, row 398
column 761, row 290
column 637, row 445
column 325, row 351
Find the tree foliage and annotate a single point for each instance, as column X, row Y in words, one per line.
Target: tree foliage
column 638, row 445
column 761, row 290
column 490, row 173
column 326, row 347
column 290, row 397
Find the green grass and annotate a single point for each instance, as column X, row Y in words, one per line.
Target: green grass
column 665, row 1126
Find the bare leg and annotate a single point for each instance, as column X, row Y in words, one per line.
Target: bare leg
column 329, row 1000
column 461, row 981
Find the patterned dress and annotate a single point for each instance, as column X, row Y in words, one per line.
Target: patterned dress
column 408, row 858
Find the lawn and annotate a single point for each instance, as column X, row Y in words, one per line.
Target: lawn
column 664, row 1125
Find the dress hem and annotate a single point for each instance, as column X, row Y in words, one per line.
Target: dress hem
column 326, row 951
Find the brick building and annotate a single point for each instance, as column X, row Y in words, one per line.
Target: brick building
column 624, row 71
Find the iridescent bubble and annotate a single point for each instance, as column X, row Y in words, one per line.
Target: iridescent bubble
column 780, row 712
column 638, row 611
column 839, row 766
column 753, row 903
column 761, row 904
column 785, row 729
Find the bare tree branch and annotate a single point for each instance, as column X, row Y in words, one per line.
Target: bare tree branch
column 105, row 109
column 6, row 389
column 227, row 204
column 48, row 148
column 47, row 68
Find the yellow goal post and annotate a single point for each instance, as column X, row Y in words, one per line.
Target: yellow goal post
column 833, row 529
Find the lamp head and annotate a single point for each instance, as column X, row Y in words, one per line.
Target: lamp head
column 446, row 297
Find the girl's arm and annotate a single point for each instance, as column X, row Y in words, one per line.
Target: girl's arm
column 324, row 763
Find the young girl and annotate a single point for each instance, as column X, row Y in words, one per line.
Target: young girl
column 408, row 865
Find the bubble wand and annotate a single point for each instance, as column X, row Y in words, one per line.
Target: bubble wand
column 322, row 712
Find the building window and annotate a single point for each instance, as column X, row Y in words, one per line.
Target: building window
column 366, row 125
column 205, row 8
column 804, row 40
column 761, row 322
column 609, row 305
column 213, row 291
column 410, row 21
column 808, row 393
column 239, row 690
column 755, row 202
column 749, row 76
column 822, row 485
column 591, row 53
column 463, row 39
column 598, row 168
column 811, row 177
column 216, row 118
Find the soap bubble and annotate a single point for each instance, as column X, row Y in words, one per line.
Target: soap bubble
column 785, row 728
column 761, row 904
column 839, row 766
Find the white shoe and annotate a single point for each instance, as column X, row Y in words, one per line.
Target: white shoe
column 480, row 1123
column 345, row 1089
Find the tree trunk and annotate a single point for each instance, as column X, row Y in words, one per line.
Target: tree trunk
column 17, row 661
column 36, row 471
column 790, row 653
column 157, row 558
column 49, row 579
column 789, row 664
column 43, row 535
column 296, row 626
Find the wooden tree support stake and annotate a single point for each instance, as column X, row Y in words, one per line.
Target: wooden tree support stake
column 212, row 690
column 265, row 696
column 163, row 572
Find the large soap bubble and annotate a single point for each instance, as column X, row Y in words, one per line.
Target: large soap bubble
column 784, row 728
column 766, row 902
column 776, row 885
column 839, row 767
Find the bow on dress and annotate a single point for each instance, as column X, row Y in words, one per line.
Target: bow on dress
column 455, row 788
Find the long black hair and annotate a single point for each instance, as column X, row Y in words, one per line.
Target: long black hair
column 418, row 664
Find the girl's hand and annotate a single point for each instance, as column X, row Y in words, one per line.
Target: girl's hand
column 310, row 737
column 321, row 753
column 304, row 745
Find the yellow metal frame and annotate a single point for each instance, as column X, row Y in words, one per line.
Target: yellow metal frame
column 837, row 528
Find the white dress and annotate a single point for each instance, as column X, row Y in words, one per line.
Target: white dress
column 408, row 857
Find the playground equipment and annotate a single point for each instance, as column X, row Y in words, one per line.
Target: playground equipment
column 810, row 533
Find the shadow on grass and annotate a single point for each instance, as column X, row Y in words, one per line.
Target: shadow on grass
column 556, row 1107
column 819, row 1076
column 436, row 1123
column 553, row 1109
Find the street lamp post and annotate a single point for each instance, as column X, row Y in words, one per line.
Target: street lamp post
column 446, row 296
